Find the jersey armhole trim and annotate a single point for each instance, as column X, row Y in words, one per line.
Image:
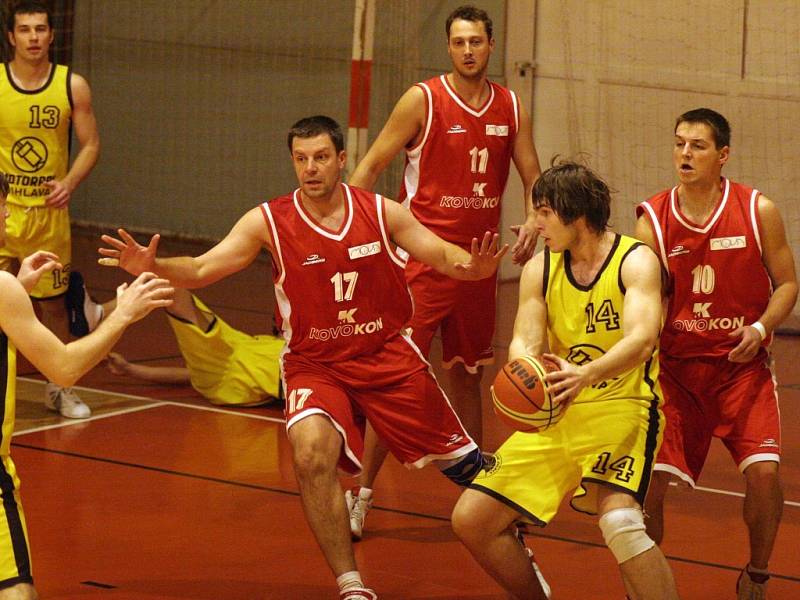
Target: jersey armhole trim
column 387, row 243
column 755, row 220
column 276, row 243
column 655, row 227
column 428, row 118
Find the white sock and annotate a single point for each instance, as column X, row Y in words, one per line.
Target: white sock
column 349, row 581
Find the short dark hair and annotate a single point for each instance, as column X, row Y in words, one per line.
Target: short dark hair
column 469, row 13
column 720, row 128
column 573, row 191
column 28, row 7
column 3, row 185
column 317, row 125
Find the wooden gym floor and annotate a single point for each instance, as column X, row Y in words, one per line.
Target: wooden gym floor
column 161, row 496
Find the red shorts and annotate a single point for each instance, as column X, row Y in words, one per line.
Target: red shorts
column 465, row 311
column 713, row 397
column 394, row 388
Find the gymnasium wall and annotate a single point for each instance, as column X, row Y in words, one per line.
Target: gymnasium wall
column 193, row 99
column 612, row 82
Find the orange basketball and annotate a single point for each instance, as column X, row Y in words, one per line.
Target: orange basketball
column 520, row 396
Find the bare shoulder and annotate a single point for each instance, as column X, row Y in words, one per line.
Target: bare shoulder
column 641, row 263
column 79, row 87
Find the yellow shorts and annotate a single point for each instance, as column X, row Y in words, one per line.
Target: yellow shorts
column 15, row 556
column 613, row 443
column 228, row 366
column 39, row 228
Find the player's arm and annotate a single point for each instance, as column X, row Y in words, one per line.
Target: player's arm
column 85, row 127
column 119, row 365
column 779, row 261
column 527, row 163
column 402, row 128
column 236, row 250
column 641, row 324
column 63, row 363
column 425, row 246
column 530, row 325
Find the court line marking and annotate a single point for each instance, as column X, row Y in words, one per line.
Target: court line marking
column 700, row 488
column 228, row 411
column 275, row 490
column 151, row 403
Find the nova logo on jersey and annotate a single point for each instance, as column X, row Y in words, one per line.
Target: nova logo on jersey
column 345, row 330
column 677, row 250
column 456, row 129
column 498, row 130
column 363, row 250
column 729, row 243
column 313, row 259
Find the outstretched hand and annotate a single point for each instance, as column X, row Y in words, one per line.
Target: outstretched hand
column 142, row 295
column 34, row 266
column 484, row 258
column 126, row 253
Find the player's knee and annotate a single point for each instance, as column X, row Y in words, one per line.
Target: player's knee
column 624, row 533
column 464, row 469
column 314, row 452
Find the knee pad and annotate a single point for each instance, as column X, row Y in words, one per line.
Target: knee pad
column 464, row 469
column 624, row 533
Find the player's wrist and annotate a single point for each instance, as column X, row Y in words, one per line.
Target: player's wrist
column 759, row 327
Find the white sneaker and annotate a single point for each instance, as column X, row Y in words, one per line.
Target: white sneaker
column 749, row 589
column 359, row 501
column 65, row 402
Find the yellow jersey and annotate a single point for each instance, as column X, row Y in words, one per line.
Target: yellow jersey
column 34, row 134
column 8, row 392
column 585, row 321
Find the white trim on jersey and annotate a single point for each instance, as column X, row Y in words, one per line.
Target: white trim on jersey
column 318, row 411
column 515, row 104
column 762, row 457
column 658, row 232
column 673, row 201
column 684, row 477
column 414, row 155
column 281, row 299
column 276, row 242
column 338, row 237
column 417, row 150
column 754, row 219
column 458, row 101
column 398, row 260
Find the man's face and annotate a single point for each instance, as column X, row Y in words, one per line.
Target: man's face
column 31, row 37
column 552, row 231
column 469, row 48
column 317, row 165
column 695, row 155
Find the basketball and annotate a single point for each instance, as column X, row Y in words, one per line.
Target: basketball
column 520, row 396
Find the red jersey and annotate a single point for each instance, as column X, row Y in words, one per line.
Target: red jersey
column 340, row 294
column 717, row 278
column 455, row 177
